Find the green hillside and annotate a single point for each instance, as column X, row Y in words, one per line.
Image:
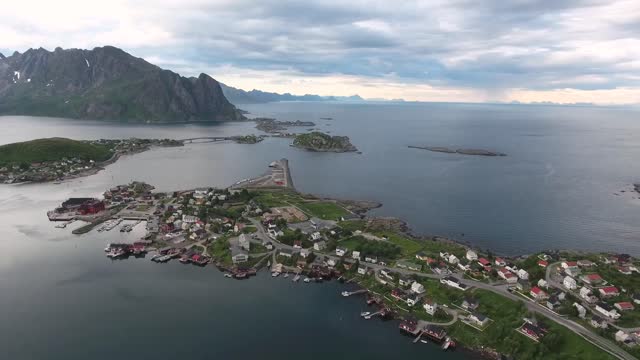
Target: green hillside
column 51, row 149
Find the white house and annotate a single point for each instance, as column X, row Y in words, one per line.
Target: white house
column 371, row 259
column 478, row 319
column 362, row 270
column 472, row 255
column 340, row 251
column 412, row 300
column 543, row 283
column 430, row 307
column 453, row 282
column 243, row 241
column 417, row 288
column 238, row 255
column 316, row 236
column 569, row 283
column 320, row 245
column 331, row 262
column 355, row 255
column 523, row 274
column 582, row 312
column 452, row 259
column 607, row 311
column 305, row 253
column 572, row 271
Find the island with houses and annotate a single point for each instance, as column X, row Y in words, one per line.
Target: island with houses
column 548, row 305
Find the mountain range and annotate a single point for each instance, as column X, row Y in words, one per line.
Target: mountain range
column 239, row 96
column 106, row 83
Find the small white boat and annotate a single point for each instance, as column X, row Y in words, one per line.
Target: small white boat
column 307, row 280
column 296, row 278
column 345, row 293
column 227, row 275
column 365, row 313
column 368, row 317
column 424, row 341
column 286, row 275
column 275, row 274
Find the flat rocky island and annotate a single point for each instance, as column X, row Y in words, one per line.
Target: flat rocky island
column 318, row 141
column 442, row 149
column 274, row 126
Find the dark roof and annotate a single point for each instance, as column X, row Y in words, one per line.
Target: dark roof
column 451, row 278
column 605, row 306
column 76, row 201
column 479, row 316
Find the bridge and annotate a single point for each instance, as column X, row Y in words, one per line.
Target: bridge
column 205, row 139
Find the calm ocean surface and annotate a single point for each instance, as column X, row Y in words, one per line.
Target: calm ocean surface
column 61, row 298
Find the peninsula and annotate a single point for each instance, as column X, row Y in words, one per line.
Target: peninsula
column 321, row 142
column 478, row 152
column 548, row 305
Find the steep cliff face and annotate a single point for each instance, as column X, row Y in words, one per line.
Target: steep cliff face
column 106, row 83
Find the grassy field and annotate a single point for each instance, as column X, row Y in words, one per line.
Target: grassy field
column 51, row 149
column 323, row 210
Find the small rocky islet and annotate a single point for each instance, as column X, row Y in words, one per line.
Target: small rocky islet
column 442, row 149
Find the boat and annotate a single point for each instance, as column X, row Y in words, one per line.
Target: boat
column 307, row 280
column 275, row 274
column 448, row 343
column 424, row 341
column 154, row 257
column 228, row 275
column 286, row 275
column 345, row 293
column 365, row 313
column 296, row 278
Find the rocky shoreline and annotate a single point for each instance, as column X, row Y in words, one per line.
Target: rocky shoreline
column 442, row 149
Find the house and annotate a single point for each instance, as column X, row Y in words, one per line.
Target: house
column 568, row 264
column 607, row 310
column 543, row 283
column 500, row 261
column 622, row 336
column 305, row 253
column 243, row 241
column 507, row 275
column 471, row 255
column 537, row 293
column 408, row 265
column 624, row 306
column 405, row 281
column 453, row 282
column 478, row 319
column 371, row 259
column 285, row 252
column 585, row 292
column 484, row 262
column 362, row 270
column 522, row 285
column 238, row 227
column 422, row 256
column 430, row 307
column 625, row 270
column 598, row 322
column 417, row 288
column 297, row 244
column 591, row 279
column 543, row 263
column 532, row 331
column 239, row 255
column 269, row 245
column 569, row 283
column 387, row 273
column 553, row 302
column 582, row 311
column 470, row 304
column 355, row 255
column 341, row 251
column 316, row 236
column 585, row 263
column 412, row 300
column 320, row 245
column 608, row 291
column 452, row 259
column 572, row 271
column 523, row 274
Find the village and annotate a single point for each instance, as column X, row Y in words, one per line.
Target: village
column 70, row 167
column 443, row 292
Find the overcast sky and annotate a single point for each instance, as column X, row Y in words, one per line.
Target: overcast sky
column 450, row 50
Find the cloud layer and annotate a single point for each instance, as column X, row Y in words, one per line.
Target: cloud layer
column 456, row 50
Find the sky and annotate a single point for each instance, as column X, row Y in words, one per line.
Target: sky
column 581, row 51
